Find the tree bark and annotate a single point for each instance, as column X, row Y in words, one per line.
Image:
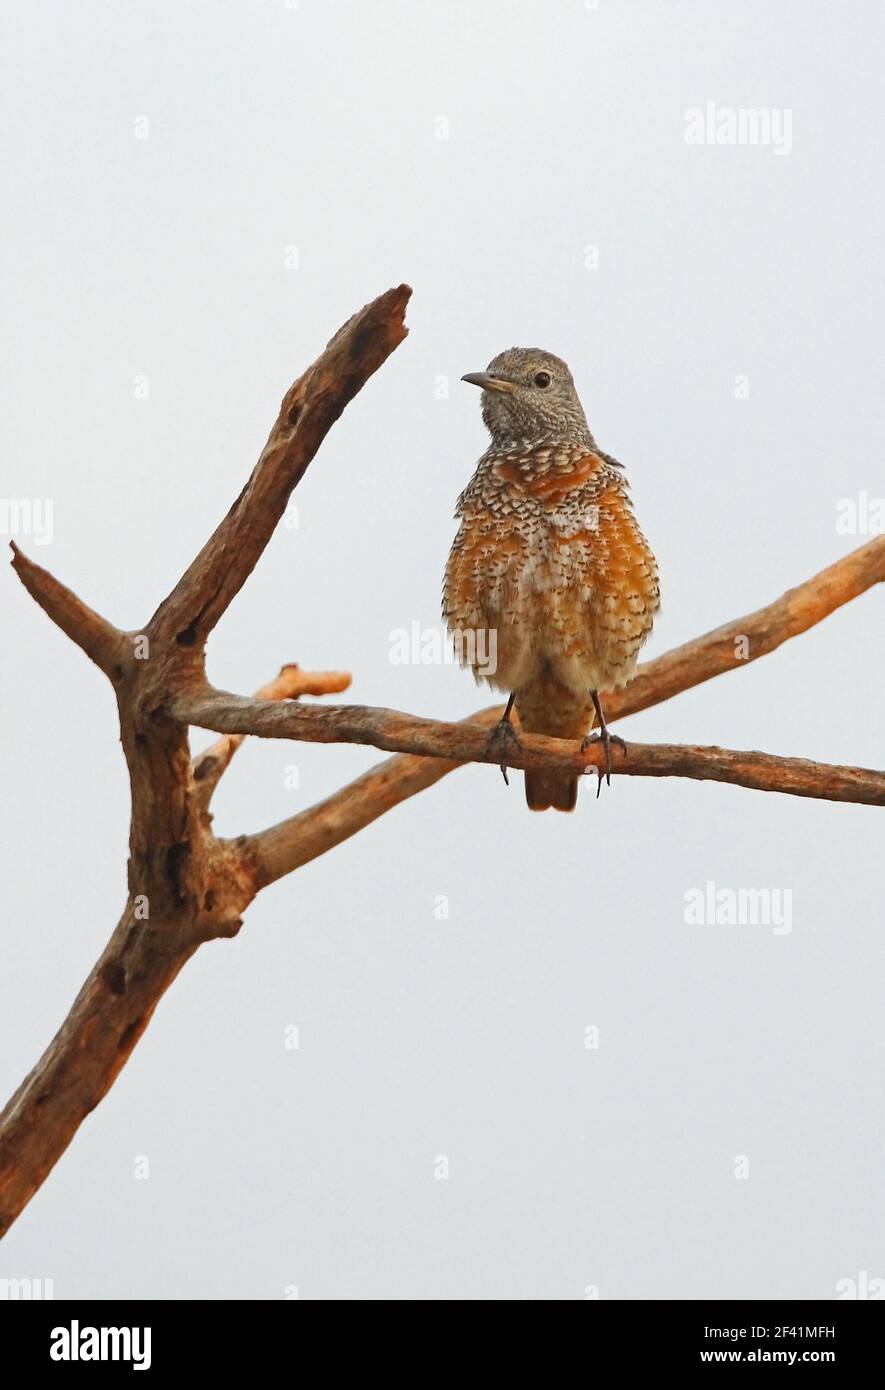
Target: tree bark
column 185, row 885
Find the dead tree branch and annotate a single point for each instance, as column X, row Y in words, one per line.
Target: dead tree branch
column 284, row 847
column 458, row 743
column 186, row 886
column 98, row 638
column 209, row 767
column 308, row 411
column 736, row 644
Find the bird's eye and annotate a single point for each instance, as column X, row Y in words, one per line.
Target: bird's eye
column 542, row 379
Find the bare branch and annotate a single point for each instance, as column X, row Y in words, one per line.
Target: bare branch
column 275, row 852
column 724, row 650
column 100, row 640
column 280, row 849
column 759, row 771
column 284, row 847
column 78, row 1067
column 209, row 766
column 149, row 946
column 405, row 733
column 308, row 411
column 185, row 886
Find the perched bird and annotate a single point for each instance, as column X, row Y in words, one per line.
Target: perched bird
column 549, row 564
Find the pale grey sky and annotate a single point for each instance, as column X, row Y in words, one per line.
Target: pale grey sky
column 161, row 163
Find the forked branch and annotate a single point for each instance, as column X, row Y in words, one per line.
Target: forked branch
column 309, row 409
column 186, row 886
column 209, row 766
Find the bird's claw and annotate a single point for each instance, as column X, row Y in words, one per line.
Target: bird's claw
column 606, row 739
column 502, row 736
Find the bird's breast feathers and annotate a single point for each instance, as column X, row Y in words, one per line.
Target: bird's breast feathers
column 550, row 554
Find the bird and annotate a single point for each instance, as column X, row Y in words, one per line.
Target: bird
column 549, row 565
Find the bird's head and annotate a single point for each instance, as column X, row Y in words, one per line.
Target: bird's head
column 528, row 394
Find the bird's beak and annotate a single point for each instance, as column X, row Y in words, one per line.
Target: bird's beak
column 487, row 382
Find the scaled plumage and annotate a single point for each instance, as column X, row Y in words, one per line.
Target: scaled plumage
column 550, row 558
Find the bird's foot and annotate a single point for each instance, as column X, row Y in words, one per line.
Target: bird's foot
column 606, row 739
column 502, row 738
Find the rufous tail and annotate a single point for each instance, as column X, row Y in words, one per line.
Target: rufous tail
column 546, row 707
column 544, row 790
